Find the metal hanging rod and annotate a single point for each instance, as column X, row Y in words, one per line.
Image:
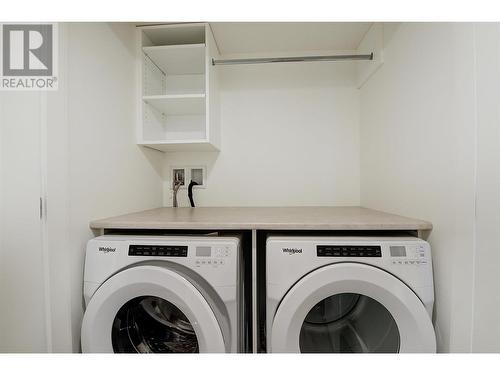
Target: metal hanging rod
column 266, row 60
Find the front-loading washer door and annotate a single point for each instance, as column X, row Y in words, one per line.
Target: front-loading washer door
column 150, row 309
column 351, row 308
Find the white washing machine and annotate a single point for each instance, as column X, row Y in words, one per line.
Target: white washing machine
column 349, row 294
column 160, row 294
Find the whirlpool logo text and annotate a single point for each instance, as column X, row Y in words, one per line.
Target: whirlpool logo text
column 291, row 251
column 107, row 249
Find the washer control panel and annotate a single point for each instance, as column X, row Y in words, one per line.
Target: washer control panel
column 211, row 262
column 158, row 250
column 412, row 255
column 211, row 256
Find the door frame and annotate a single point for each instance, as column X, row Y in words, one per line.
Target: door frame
column 148, row 280
column 414, row 324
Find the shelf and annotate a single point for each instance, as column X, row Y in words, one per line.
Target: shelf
column 178, row 59
column 181, row 145
column 174, row 34
column 183, row 104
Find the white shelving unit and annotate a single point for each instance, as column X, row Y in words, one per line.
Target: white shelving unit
column 177, row 105
column 178, row 88
column 180, row 59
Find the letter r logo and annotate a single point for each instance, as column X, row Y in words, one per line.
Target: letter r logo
column 27, row 50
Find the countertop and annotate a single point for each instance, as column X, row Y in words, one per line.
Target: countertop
column 266, row 218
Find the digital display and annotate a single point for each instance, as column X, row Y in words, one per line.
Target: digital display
column 158, row 250
column 348, row 251
column 398, row 251
column 203, row 251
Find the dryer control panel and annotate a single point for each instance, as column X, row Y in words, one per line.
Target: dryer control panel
column 393, row 253
column 348, row 251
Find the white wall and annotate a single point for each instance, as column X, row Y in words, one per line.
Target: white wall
column 94, row 169
column 59, row 335
column 108, row 173
column 290, row 137
column 418, row 155
column 486, row 302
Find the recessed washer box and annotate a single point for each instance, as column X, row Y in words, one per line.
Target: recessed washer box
column 197, row 174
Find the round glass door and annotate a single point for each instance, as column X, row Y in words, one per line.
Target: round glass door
column 150, row 324
column 349, row 323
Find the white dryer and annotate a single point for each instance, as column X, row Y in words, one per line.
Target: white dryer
column 349, row 294
column 161, row 294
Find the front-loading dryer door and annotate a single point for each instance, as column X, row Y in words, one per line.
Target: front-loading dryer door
column 351, row 308
column 150, row 309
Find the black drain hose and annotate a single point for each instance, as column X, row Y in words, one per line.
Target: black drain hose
column 190, row 192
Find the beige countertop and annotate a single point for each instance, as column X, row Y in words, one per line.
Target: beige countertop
column 269, row 218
